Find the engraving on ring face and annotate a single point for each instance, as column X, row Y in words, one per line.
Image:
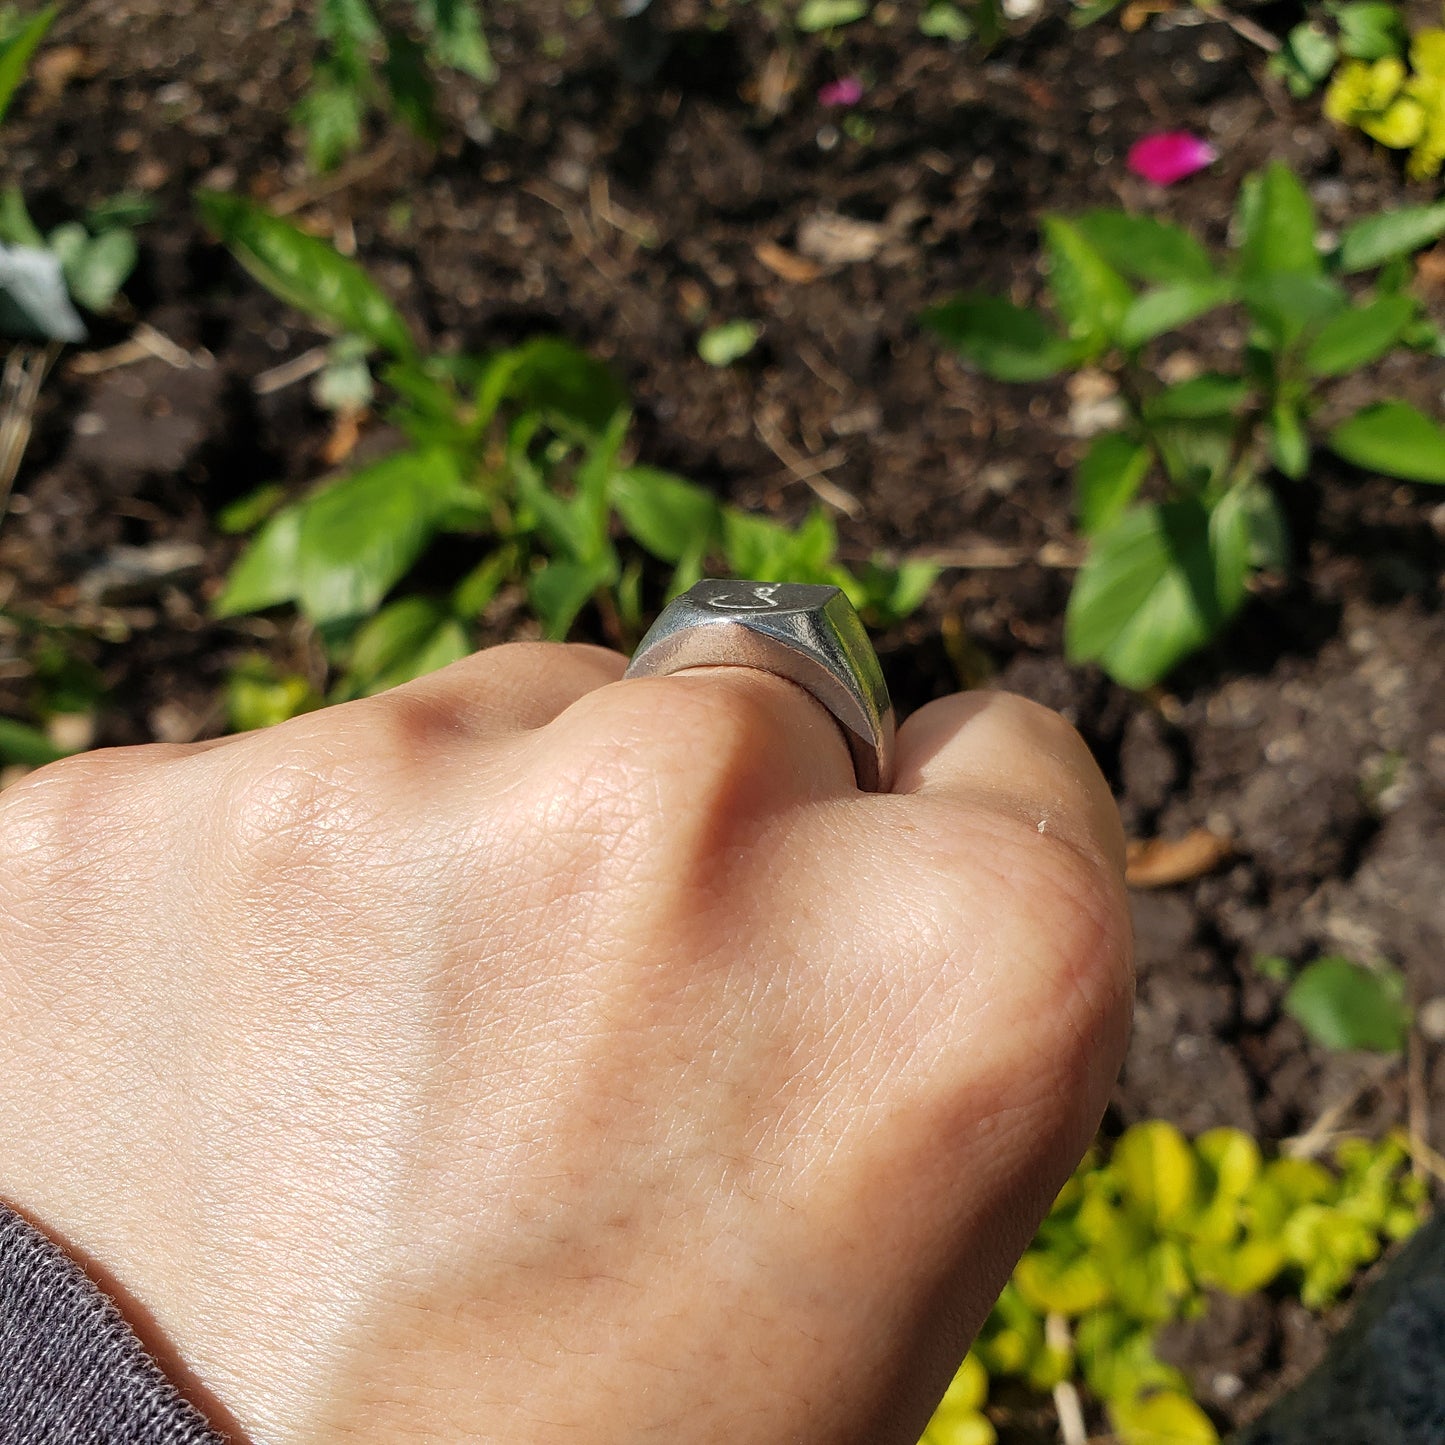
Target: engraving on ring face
column 752, row 599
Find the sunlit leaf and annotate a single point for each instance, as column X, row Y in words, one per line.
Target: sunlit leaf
column 305, row 272
column 268, row 572
column 1356, row 337
column 15, row 53
column 360, row 536
column 1343, row 1005
column 730, row 342
column 1392, row 437
column 1006, row 341
column 1146, row 249
column 1376, row 239
column 1107, row 479
column 814, row 15
column 1277, row 225
column 1090, row 294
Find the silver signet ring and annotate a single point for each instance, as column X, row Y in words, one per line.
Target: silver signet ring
column 807, row 634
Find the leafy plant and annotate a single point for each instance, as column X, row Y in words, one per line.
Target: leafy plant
column 1164, row 575
column 1341, row 1004
column 523, row 454
column 1140, row 1240
column 1365, row 30
column 1401, row 106
column 370, row 65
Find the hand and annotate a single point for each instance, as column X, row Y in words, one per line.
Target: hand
column 525, row 1055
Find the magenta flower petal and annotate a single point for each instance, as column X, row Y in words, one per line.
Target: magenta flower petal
column 846, row 91
column 1169, row 156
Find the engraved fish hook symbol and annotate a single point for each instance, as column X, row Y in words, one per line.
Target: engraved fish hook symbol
column 753, row 599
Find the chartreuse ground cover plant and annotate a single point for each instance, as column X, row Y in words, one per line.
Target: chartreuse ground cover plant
column 522, row 453
column 1181, row 504
column 1382, row 79
column 1139, row 1239
column 369, row 64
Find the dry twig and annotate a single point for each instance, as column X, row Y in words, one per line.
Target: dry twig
column 26, row 368
column 809, row 470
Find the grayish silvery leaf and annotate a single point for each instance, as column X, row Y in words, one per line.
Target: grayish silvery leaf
column 34, row 302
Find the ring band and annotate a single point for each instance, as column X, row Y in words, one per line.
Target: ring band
column 808, row 634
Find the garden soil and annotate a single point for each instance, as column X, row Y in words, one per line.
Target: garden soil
column 630, row 215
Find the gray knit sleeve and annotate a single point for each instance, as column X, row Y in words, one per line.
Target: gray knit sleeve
column 71, row 1370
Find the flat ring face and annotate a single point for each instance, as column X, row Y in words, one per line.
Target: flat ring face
column 808, row 634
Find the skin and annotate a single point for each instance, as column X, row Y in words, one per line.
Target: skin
column 526, row 1055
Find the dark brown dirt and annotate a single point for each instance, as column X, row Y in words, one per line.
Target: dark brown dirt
column 629, row 217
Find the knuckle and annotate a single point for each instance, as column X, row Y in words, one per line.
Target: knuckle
column 289, row 802
column 58, row 814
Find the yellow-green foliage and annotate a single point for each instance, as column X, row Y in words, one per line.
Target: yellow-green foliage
column 1399, row 105
column 1140, row 1240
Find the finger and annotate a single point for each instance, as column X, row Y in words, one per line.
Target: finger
column 1003, row 751
column 514, row 687
column 742, row 726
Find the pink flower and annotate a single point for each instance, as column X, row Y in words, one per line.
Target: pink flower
column 847, row 91
column 1169, row 156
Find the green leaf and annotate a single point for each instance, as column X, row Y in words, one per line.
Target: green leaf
column 1196, row 451
column 95, row 267
column 1111, row 472
column 26, row 745
column 1356, row 337
column 456, row 38
column 1289, row 446
column 474, row 593
column 15, row 54
column 1266, row 532
column 349, row 22
column 123, row 211
column 406, row 639
column 1090, row 294
column 674, row 519
column 1377, row 239
column 258, row 695
column 1210, row 395
column 815, row 15
column 759, row 548
column 725, row 344
column 943, row 21
column 1054, row 1284
column 1158, row 1170
column 331, row 113
column 1342, row 1005
column 553, row 376
column 1277, row 225
column 1161, row 1419
column 362, row 534
column 1392, row 437
column 1166, row 307
column 1146, row 249
column 267, row 572
column 1370, row 30
column 1004, row 340
column 247, row 513
column 305, row 272
column 1286, row 304
column 16, row 227
column 1091, row 11
column 1306, row 59
column 1151, row 592
column 558, row 591
column 409, row 84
